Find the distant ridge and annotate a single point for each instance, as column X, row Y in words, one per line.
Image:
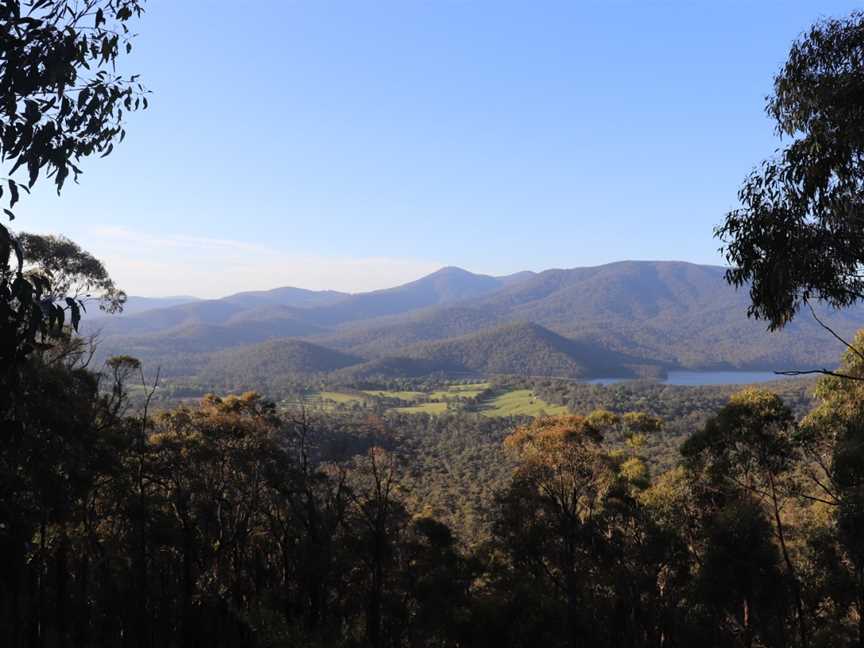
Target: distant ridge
column 524, row 349
column 325, row 307
column 627, row 314
column 446, row 286
column 287, row 296
column 262, row 363
column 135, row 304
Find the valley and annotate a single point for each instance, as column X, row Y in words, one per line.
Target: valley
column 626, row 320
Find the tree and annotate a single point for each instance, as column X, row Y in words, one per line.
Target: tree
column 751, row 446
column 739, row 576
column 378, row 522
column 799, row 232
column 833, row 440
column 560, row 520
column 60, row 97
column 61, row 100
column 72, row 272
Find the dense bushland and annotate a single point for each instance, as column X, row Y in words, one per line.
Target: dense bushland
column 223, row 523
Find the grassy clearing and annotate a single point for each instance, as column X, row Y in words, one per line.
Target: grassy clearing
column 520, row 402
column 459, row 391
column 338, row 397
column 423, row 408
column 470, row 387
column 401, row 395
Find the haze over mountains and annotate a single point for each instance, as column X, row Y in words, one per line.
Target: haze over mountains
column 630, row 318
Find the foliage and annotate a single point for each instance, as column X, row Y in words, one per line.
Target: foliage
column 58, row 104
column 60, row 99
column 797, row 235
column 71, row 271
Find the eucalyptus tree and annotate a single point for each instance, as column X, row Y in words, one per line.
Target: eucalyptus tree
column 570, row 519
column 61, row 100
column 751, row 446
column 832, row 437
column 798, row 234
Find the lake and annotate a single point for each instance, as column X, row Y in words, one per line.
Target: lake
column 698, row 378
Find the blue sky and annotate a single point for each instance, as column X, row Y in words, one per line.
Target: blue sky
column 358, row 145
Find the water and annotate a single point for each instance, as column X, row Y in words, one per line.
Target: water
column 698, row 378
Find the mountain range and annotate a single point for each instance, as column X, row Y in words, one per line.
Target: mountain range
column 629, row 318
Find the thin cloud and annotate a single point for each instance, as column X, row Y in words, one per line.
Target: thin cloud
column 148, row 264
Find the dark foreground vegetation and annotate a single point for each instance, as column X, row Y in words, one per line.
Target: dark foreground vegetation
column 224, row 524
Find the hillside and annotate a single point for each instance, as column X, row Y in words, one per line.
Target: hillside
column 260, row 364
column 381, row 336
column 149, row 315
column 287, row 296
column 318, row 308
column 671, row 313
column 183, row 350
column 661, row 314
column 135, row 304
column 446, row 286
column 525, row 349
column 522, row 349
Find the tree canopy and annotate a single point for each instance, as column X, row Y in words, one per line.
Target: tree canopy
column 798, row 234
column 61, row 100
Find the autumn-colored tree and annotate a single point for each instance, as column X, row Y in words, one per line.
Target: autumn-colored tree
column 557, row 518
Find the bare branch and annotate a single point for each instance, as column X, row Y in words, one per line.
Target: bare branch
column 834, row 333
column 823, row 372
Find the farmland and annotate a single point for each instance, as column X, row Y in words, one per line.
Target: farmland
column 481, row 398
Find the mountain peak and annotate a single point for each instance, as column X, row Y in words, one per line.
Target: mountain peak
column 452, row 271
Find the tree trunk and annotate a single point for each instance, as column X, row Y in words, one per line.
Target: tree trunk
column 860, row 609
column 83, row 616
column 189, row 632
column 62, row 578
column 796, row 585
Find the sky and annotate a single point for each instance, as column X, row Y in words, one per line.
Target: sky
column 359, row 145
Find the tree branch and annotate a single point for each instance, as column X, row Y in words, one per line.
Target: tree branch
column 834, row 333
column 823, row 372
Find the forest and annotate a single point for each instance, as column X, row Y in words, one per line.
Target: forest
column 408, row 511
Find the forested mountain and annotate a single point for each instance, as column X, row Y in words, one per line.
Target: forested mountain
column 135, row 305
column 381, row 336
column 286, row 296
column 204, row 338
column 208, row 311
column 446, row 286
column 257, row 364
column 523, row 349
column 620, row 315
column 326, row 307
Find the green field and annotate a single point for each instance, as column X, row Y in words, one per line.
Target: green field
column 459, row 391
column 519, row 402
column 401, row 395
column 423, row 408
column 338, row 397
